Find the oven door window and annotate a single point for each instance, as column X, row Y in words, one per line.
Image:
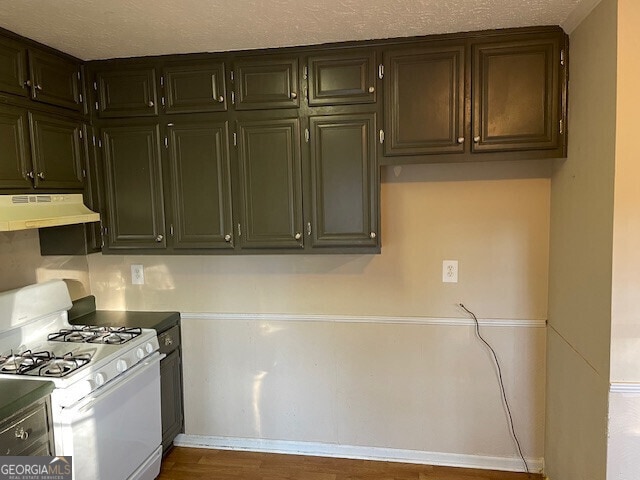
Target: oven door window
column 117, row 428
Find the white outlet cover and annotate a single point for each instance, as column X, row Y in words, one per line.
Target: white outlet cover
column 137, row 275
column 450, row 271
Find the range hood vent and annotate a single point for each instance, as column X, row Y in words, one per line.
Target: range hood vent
column 22, row 212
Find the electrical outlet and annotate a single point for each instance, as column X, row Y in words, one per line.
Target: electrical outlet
column 137, row 275
column 450, row 271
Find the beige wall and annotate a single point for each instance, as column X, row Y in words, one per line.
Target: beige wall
column 21, row 264
column 582, row 194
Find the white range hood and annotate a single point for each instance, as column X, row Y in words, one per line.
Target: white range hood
column 22, row 212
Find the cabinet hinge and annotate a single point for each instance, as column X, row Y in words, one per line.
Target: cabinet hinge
column 381, row 71
column 93, row 140
column 78, row 74
column 84, row 173
column 231, row 75
column 561, row 126
column 171, row 230
column 233, row 97
column 239, row 230
column 80, row 133
column 99, row 143
column 162, row 100
column 307, row 135
column 562, row 57
column 235, row 139
column 95, row 86
column 381, row 136
column 162, row 81
column 306, row 94
column 166, row 142
column 81, row 98
column 309, row 229
column 96, row 105
column 305, row 74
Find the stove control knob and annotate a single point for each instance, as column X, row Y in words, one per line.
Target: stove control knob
column 121, row 365
column 100, row 378
column 140, row 353
column 149, row 348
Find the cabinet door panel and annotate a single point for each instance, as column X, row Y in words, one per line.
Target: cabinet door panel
column 201, row 185
column 424, row 108
column 13, row 67
column 264, row 84
column 57, row 152
column 15, row 162
column 347, row 78
column 270, row 178
column 195, row 88
column 134, row 186
column 171, row 397
column 127, row 93
column 55, row 80
column 344, row 180
column 516, row 98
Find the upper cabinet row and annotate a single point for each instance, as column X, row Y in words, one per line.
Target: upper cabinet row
column 39, row 75
column 478, row 95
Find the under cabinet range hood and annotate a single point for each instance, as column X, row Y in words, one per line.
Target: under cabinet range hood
column 22, row 212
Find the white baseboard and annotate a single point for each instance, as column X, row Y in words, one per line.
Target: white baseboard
column 512, row 464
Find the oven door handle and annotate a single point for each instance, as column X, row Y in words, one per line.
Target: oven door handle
column 126, row 377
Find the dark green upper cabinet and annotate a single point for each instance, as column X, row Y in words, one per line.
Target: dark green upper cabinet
column 133, row 176
column 201, row 185
column 55, row 80
column 266, row 83
column 344, row 181
column 127, row 92
column 516, row 97
column 270, row 184
column 192, row 88
column 57, row 152
column 342, row 79
column 15, row 163
column 424, row 105
column 13, row 67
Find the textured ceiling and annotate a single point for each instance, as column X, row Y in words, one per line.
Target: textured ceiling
column 124, row 28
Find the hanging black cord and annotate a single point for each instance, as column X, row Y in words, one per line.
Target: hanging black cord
column 504, row 395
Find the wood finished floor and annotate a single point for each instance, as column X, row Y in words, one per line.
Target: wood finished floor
column 200, row 464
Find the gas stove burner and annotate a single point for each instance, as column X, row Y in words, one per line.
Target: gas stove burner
column 19, row 363
column 92, row 334
column 61, row 366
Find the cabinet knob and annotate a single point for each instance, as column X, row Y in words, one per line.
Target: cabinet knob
column 28, row 83
column 168, row 340
column 220, row 99
column 41, row 175
column 298, row 236
column 150, row 103
column 294, row 95
column 159, row 238
column 372, row 89
column 372, row 235
column 21, row 433
column 227, row 238
column 476, row 139
column 460, row 139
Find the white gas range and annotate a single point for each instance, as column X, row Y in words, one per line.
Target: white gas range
column 106, row 401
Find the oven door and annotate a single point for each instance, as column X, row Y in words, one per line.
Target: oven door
column 116, row 430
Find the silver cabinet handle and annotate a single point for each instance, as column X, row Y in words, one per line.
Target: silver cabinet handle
column 21, row 433
column 476, row 139
column 38, row 87
column 294, row 95
column 159, row 238
column 372, row 89
column 372, row 235
column 29, row 175
column 220, row 99
column 298, row 236
column 41, row 175
column 151, row 104
column 460, row 139
column 227, row 238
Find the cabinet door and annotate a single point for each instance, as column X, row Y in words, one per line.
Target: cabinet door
column 195, row 88
column 134, row 186
column 270, row 183
column 15, row 163
column 344, row 180
column 171, row 397
column 55, row 80
column 342, row 79
column 264, row 84
column 13, row 67
column 515, row 95
column 57, row 152
column 424, row 107
column 201, row 185
column 127, row 92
